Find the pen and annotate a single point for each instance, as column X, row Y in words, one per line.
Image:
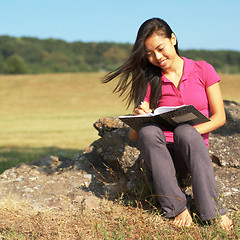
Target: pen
column 142, row 108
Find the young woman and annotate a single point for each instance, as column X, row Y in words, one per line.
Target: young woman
column 155, row 75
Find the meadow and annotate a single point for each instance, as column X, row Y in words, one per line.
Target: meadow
column 53, row 114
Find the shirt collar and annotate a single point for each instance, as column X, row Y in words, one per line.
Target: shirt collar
column 188, row 69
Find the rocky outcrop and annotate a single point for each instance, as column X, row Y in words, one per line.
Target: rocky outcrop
column 114, row 148
column 111, row 166
column 225, row 141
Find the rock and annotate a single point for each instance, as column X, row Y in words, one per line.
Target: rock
column 118, row 154
column 224, row 142
column 116, row 151
column 108, row 125
column 111, row 167
column 51, row 164
column 51, row 182
column 225, row 150
column 232, row 125
column 91, row 202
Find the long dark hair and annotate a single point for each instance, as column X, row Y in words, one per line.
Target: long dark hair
column 135, row 74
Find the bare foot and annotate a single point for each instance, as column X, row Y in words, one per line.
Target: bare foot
column 226, row 223
column 183, row 219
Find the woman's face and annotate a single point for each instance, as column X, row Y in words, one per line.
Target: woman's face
column 160, row 51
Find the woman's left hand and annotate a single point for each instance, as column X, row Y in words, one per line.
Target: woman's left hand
column 216, row 104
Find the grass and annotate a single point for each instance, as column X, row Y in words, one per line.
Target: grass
column 53, row 114
column 230, row 86
column 56, row 112
column 42, row 110
column 119, row 223
column 60, row 109
column 12, row 155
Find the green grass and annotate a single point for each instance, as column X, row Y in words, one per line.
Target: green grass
column 11, row 156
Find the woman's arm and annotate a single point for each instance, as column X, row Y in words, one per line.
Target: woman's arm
column 141, row 109
column 216, row 104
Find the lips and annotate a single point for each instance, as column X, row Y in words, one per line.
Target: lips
column 162, row 63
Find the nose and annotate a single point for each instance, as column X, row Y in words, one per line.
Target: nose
column 158, row 55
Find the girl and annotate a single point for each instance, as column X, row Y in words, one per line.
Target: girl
column 155, row 75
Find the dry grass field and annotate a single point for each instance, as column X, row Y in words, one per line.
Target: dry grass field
column 53, row 109
column 52, row 114
column 230, row 86
column 59, row 109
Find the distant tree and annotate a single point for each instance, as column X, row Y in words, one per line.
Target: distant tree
column 15, row 65
column 115, row 55
column 7, row 46
column 33, row 55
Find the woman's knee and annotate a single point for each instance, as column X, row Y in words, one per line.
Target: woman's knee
column 151, row 133
column 186, row 133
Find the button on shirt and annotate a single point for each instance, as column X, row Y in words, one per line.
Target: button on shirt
column 197, row 76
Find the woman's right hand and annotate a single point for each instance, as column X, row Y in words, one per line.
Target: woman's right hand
column 143, row 108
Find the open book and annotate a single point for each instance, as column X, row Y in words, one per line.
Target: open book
column 166, row 117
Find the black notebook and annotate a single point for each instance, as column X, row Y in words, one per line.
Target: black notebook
column 166, row 117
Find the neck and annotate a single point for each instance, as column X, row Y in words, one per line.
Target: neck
column 176, row 67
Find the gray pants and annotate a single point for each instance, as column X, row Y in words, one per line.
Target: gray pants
column 192, row 154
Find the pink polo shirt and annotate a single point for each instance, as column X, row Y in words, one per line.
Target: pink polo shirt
column 197, row 76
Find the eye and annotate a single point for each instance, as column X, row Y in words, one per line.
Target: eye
column 160, row 49
column 148, row 54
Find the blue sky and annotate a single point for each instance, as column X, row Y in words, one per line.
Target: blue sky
column 198, row 24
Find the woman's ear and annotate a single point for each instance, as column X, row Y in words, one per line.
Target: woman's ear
column 173, row 39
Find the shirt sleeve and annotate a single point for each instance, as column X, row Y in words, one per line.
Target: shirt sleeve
column 209, row 74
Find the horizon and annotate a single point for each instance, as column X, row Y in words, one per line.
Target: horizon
column 190, row 49
column 207, row 25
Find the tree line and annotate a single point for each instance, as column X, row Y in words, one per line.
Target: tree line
column 33, row 55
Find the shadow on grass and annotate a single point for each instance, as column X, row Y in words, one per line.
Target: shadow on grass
column 10, row 156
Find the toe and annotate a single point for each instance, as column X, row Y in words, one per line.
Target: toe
column 226, row 223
